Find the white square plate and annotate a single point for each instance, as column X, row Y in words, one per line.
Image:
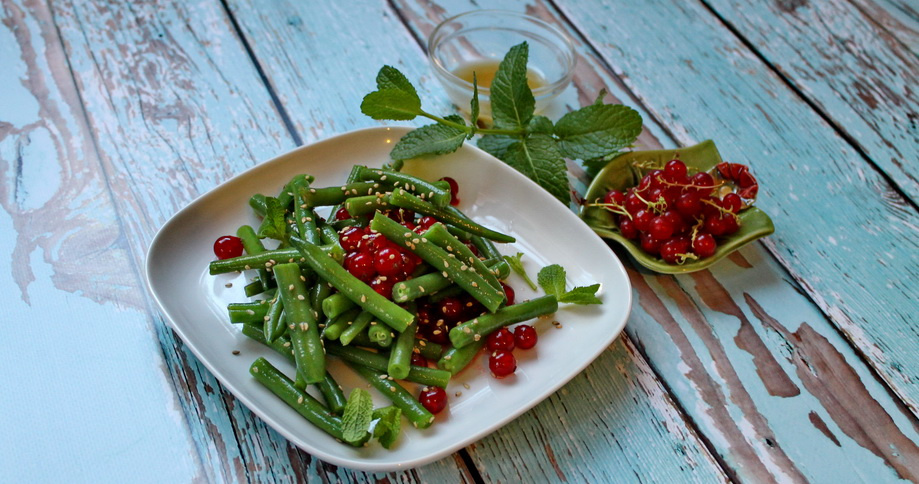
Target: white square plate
column 491, row 193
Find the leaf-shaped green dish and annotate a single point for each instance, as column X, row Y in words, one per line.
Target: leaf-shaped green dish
column 621, row 174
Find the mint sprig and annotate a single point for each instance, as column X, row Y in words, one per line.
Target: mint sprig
column 532, row 144
column 552, row 280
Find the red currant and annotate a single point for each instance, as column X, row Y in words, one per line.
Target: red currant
column 501, row 339
column 525, row 336
column 502, row 364
column 454, row 190
column 704, row 245
column 434, row 399
column 228, row 246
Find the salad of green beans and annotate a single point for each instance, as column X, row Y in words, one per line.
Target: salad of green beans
column 395, row 282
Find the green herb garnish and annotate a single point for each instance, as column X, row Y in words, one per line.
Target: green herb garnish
column 531, row 144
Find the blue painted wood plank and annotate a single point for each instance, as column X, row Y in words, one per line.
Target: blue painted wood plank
column 85, row 392
column 543, row 449
column 176, row 82
column 856, row 73
column 739, row 386
column 841, row 231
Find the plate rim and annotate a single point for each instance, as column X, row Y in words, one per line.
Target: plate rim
column 318, row 452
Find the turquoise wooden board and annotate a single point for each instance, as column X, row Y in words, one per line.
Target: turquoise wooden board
column 685, row 363
column 859, row 266
column 194, row 114
column 874, row 103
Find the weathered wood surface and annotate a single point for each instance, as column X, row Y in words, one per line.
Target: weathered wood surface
column 702, row 348
column 132, row 110
column 842, row 232
column 175, row 107
column 859, row 75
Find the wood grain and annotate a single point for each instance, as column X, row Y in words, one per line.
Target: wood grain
column 856, row 264
column 175, row 80
column 854, row 71
column 727, row 376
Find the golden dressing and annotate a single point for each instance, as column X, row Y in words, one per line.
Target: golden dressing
column 486, row 69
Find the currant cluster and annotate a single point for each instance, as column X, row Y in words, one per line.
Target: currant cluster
column 676, row 216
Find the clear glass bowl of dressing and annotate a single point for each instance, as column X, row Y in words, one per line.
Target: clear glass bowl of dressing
column 477, row 42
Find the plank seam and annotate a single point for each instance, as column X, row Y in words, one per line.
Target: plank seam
column 895, row 187
column 275, row 100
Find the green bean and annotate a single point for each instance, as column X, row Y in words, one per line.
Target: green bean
column 357, row 206
column 302, row 402
column 352, row 287
column 437, row 193
column 438, row 234
column 318, row 197
column 336, row 304
column 332, row 394
column 270, row 258
column 248, row 312
column 411, row 408
column 428, row 349
column 402, row 198
column 336, row 326
column 302, row 324
column 455, row 359
column 357, row 327
column 465, row 333
column 253, row 245
column 281, row 345
column 400, row 356
column 486, row 247
column 470, row 281
column 274, row 320
column 380, row 362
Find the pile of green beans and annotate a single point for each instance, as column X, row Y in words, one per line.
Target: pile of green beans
column 310, row 308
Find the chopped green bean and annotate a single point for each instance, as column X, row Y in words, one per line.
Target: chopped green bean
column 477, row 329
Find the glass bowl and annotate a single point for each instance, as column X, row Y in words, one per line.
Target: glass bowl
column 478, row 41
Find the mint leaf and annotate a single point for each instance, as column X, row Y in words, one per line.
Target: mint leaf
column 539, row 125
column 537, row 157
column 552, row 280
column 393, row 104
column 474, row 107
column 388, row 426
column 512, row 101
column 274, row 225
column 582, row 295
column 390, row 78
column 517, row 266
column 433, row 139
column 496, row 144
column 597, row 130
column 357, row 416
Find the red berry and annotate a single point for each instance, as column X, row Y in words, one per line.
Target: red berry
column 525, row 336
column 502, row 364
column 418, row 360
column 704, row 245
column 228, row 246
column 672, row 250
column 502, row 339
column 452, row 308
column 361, row 266
column 383, row 286
column 434, row 399
column 388, row 261
column 614, row 197
column 509, row 292
column 674, row 170
column 350, row 238
column 661, row 228
column 627, row 228
column 454, row 190
column 342, row 214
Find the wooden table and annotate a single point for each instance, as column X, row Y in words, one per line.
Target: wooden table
column 794, row 360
